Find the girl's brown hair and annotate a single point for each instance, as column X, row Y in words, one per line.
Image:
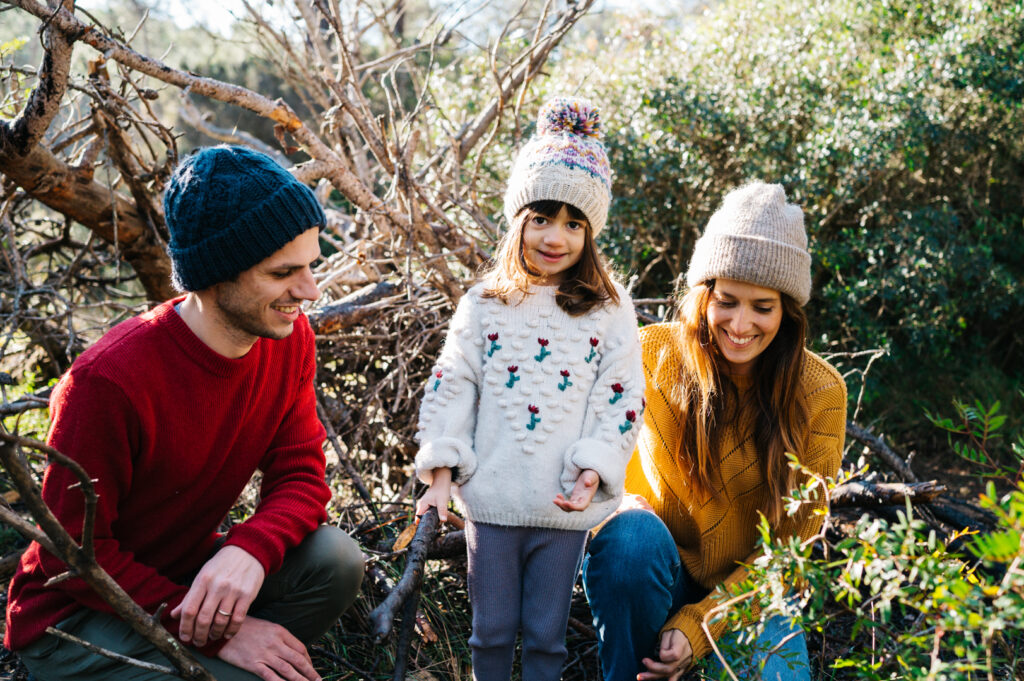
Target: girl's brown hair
column 773, row 412
column 585, row 285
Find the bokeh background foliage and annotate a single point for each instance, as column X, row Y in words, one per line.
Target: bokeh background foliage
column 898, row 125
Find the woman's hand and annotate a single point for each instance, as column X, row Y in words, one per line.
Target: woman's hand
column 582, row 492
column 437, row 495
column 633, row 501
column 675, row 656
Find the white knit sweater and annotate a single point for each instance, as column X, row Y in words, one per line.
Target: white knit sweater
column 523, row 398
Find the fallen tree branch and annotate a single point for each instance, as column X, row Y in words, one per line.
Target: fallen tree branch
column 383, row 616
column 346, row 463
column 80, row 558
column 24, row 403
column 352, row 309
column 867, row 494
column 878, row 446
column 142, row 664
column 449, row 545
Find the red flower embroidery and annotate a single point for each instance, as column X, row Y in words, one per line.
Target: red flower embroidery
column 534, row 409
column 564, row 372
column 512, row 369
column 492, row 336
column 593, row 342
column 439, row 373
column 543, row 342
column 618, row 388
column 631, row 415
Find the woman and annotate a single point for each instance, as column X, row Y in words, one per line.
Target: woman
column 731, row 389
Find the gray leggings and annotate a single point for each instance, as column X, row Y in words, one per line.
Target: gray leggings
column 318, row 580
column 520, row 578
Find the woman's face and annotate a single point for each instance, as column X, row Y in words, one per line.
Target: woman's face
column 744, row 319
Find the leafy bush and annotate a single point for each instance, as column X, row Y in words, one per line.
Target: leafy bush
column 896, row 124
column 895, row 599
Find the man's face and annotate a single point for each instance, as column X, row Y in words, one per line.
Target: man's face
column 264, row 300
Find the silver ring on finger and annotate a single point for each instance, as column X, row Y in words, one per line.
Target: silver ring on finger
column 221, row 612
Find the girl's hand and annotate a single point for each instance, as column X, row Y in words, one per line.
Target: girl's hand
column 437, row 495
column 675, row 656
column 582, row 492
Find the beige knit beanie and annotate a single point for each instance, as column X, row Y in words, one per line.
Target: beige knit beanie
column 758, row 238
column 565, row 161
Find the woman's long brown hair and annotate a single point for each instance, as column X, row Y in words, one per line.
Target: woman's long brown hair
column 773, row 412
column 585, row 285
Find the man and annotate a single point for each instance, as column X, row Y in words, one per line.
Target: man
column 172, row 412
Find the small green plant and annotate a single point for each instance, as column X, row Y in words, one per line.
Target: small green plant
column 975, row 434
column 893, row 599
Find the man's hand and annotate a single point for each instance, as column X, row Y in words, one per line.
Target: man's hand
column 219, row 597
column 269, row 651
column 582, row 492
column 437, row 495
column 674, row 656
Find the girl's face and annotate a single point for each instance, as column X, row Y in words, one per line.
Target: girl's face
column 744, row 319
column 551, row 245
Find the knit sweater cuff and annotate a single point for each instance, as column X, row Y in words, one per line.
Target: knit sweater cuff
column 599, row 457
column 686, row 622
column 446, row 452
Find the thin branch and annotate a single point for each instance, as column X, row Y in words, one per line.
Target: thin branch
column 876, row 445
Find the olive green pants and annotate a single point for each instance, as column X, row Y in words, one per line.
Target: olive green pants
column 318, row 580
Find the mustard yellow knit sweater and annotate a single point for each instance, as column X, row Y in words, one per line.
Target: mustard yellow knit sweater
column 713, row 538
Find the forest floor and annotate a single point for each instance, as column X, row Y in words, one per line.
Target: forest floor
column 440, row 644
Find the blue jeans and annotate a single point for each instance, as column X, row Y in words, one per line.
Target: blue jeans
column 634, row 581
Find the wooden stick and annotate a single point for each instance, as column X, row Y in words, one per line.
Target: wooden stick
column 876, row 445
column 80, row 558
column 383, row 616
column 867, row 494
column 53, row 631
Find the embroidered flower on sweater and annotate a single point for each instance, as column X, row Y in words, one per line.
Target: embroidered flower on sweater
column 565, row 380
column 617, row 389
column 544, row 352
column 512, row 378
column 593, row 350
column 493, row 337
column 534, row 419
column 630, row 418
column 438, row 381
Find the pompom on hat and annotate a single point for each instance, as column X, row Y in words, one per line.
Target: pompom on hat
column 564, row 161
column 228, row 208
column 758, row 238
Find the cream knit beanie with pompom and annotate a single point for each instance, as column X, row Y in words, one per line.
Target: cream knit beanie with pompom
column 758, row 238
column 565, row 161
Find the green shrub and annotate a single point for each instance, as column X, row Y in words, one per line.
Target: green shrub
column 896, row 124
column 896, row 599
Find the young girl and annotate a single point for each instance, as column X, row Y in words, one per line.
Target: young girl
column 534, row 406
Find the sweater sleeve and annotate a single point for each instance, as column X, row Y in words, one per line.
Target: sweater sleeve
column 448, row 411
column 293, row 492
column 615, row 407
column 95, row 424
column 822, row 455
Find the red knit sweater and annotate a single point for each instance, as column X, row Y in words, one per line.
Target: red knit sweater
column 172, row 431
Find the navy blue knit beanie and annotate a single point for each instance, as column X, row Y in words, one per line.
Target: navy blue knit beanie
column 227, row 208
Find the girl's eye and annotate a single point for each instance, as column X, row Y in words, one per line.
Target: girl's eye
column 573, row 225
column 725, row 303
column 763, row 310
column 281, row 274
column 540, row 220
